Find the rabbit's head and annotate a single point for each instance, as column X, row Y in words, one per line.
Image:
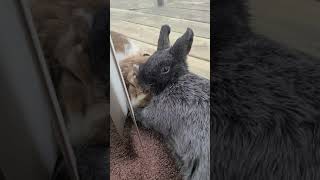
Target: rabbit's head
column 167, row 64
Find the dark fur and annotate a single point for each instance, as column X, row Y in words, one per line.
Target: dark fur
column 179, row 109
column 265, row 106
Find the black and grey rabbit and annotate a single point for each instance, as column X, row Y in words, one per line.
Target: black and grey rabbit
column 265, row 109
column 180, row 106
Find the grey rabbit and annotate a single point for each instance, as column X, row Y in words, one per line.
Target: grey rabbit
column 180, row 106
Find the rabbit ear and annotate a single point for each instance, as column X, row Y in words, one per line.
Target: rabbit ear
column 163, row 41
column 182, row 46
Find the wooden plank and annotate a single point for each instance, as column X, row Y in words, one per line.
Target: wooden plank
column 197, row 66
column 178, row 25
column 191, row 1
column 193, row 15
column 200, row 48
column 139, row 4
column 203, row 6
column 136, row 4
column 190, row 7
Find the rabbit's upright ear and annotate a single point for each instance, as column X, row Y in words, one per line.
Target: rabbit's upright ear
column 182, row 46
column 163, row 41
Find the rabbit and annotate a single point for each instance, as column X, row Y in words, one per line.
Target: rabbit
column 64, row 28
column 139, row 97
column 179, row 108
column 125, row 47
column 130, row 57
column 265, row 109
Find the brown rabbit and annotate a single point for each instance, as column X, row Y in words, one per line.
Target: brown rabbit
column 125, row 47
column 129, row 67
column 130, row 57
column 63, row 27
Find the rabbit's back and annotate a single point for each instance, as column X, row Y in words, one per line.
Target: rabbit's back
column 189, row 98
column 189, row 89
column 187, row 103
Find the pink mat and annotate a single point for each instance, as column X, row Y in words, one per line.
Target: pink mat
column 129, row 161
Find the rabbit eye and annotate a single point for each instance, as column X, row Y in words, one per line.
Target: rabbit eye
column 165, row 69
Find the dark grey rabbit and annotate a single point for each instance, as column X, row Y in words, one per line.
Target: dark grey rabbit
column 180, row 106
column 265, row 109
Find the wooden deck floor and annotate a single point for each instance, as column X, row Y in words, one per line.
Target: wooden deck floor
column 140, row 20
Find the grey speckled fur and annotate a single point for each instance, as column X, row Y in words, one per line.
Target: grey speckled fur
column 180, row 106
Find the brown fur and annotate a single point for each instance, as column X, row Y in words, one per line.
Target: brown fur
column 119, row 41
column 139, row 97
column 63, row 34
column 124, row 47
column 63, row 27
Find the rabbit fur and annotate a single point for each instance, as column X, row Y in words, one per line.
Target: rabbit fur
column 129, row 66
column 179, row 108
column 265, row 108
column 63, row 28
